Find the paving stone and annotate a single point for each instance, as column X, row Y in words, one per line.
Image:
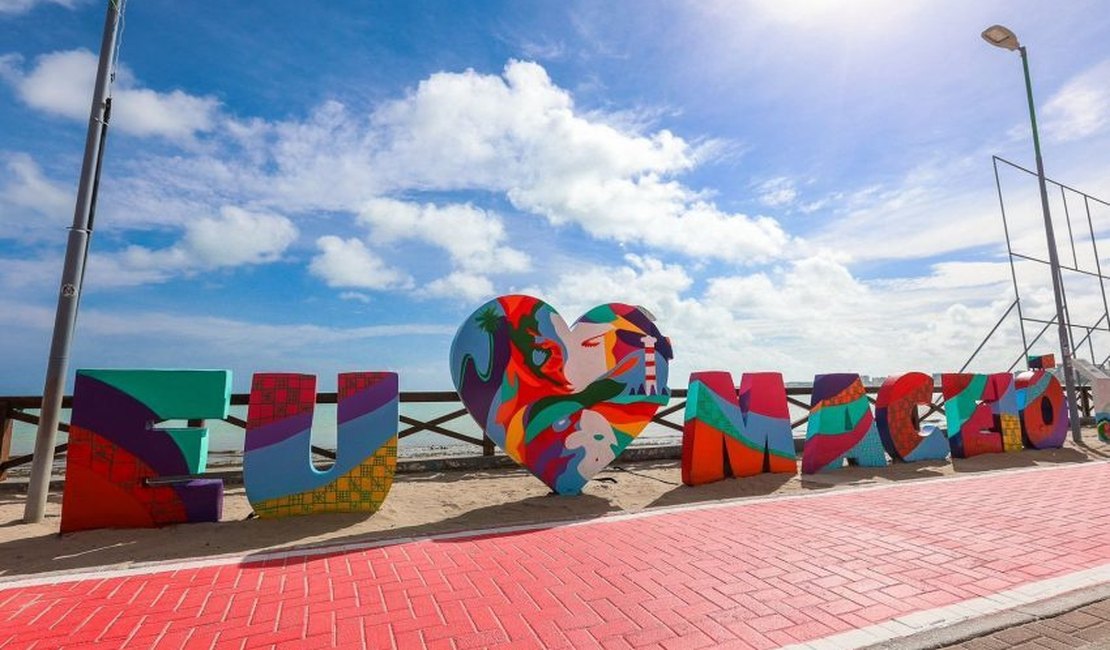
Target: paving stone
column 1057, row 624
column 983, row 643
column 1016, row 635
column 1095, row 633
column 758, row 574
column 1080, row 619
column 1056, row 644
column 1059, row 639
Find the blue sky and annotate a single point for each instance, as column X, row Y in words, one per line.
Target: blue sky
column 318, row 187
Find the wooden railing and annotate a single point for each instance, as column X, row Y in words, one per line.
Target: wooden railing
column 19, row 409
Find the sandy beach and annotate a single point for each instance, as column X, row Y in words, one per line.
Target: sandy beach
column 429, row 503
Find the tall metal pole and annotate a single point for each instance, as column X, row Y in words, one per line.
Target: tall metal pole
column 72, row 276
column 1053, row 262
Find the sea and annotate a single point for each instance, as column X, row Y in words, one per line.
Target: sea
column 225, row 440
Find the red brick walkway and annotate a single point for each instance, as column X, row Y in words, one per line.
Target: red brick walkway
column 755, row 574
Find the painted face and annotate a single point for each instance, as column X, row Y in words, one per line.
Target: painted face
column 588, row 352
column 595, row 437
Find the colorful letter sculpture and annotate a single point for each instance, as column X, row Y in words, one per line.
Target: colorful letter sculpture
column 840, row 426
column 562, row 401
column 1044, row 418
column 725, row 434
column 897, row 421
column 982, row 413
column 114, row 449
column 1041, row 362
column 277, row 464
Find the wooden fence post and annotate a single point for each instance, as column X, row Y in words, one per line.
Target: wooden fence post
column 5, row 436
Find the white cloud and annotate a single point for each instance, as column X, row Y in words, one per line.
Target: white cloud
column 238, row 237
column 28, row 198
column 355, row 297
column 133, row 266
column 936, row 208
column 234, row 238
column 640, row 280
column 474, row 238
column 60, row 83
column 811, row 315
column 520, row 134
column 175, row 115
column 41, row 273
column 516, row 135
column 245, row 333
column 322, row 162
column 15, row 7
column 948, row 276
column 1081, row 108
column 348, row 263
column 461, row 286
column 777, row 192
column 544, row 49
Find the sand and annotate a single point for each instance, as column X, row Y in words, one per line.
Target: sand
column 424, row 504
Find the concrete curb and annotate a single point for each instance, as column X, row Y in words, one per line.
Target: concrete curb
column 996, row 622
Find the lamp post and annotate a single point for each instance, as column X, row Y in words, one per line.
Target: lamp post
column 1000, row 36
column 73, row 273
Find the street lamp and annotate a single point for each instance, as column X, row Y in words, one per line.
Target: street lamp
column 1000, row 36
column 73, row 273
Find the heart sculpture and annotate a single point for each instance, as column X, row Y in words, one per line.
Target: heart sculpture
column 562, row 401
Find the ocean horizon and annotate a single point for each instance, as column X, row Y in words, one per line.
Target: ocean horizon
column 226, row 439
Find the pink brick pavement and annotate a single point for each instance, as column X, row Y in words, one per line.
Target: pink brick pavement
column 752, row 574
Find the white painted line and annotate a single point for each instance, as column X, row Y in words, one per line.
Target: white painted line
column 160, row 566
column 941, row 617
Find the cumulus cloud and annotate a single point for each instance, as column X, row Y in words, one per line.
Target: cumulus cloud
column 520, row 134
column 645, row 281
column 60, row 83
column 810, row 315
column 349, row 263
column 462, row 286
column 235, row 237
column 474, row 240
column 515, row 138
column 322, row 162
column 472, row 237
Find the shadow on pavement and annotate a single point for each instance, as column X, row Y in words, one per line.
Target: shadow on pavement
column 1011, row 460
column 729, row 488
